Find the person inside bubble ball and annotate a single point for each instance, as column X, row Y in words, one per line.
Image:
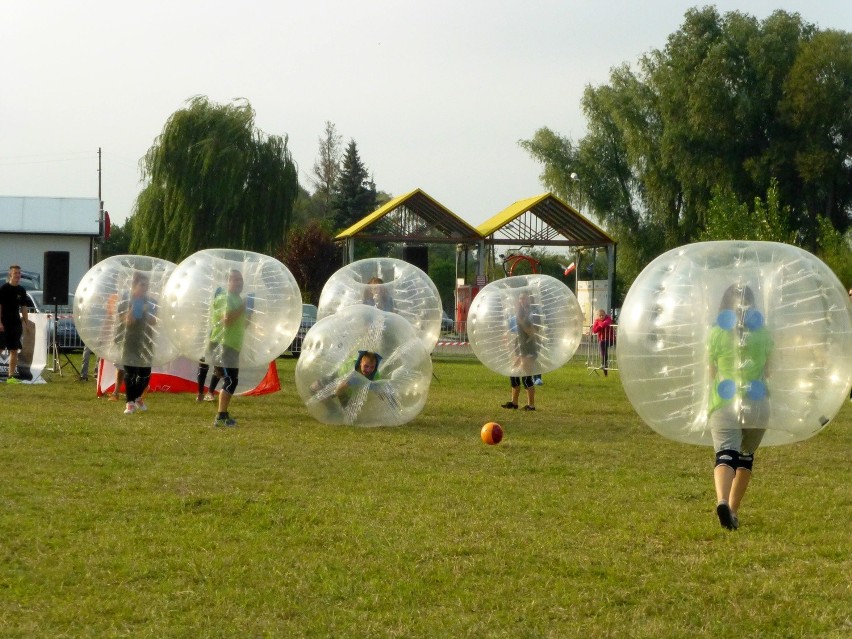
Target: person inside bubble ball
column 375, row 294
column 229, row 315
column 523, row 326
column 739, row 348
column 366, row 366
column 136, row 317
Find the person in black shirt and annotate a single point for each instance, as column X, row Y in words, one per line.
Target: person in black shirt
column 13, row 303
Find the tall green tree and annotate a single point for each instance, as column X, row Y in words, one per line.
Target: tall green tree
column 326, row 170
column 723, row 105
column 214, row 180
column 354, row 192
column 766, row 221
column 119, row 240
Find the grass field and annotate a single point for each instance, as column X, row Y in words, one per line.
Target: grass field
column 582, row 523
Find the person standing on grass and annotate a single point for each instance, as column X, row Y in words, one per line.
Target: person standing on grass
column 739, row 347
column 136, row 319
column 84, row 363
column 229, row 315
column 526, row 352
column 13, row 305
column 602, row 327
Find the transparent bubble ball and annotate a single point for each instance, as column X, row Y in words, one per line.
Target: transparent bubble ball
column 405, row 290
column 114, row 324
column 525, row 325
column 335, row 392
column 206, row 285
column 673, row 315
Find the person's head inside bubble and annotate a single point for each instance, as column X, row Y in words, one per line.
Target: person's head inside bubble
column 367, row 363
column 737, row 309
column 235, row 281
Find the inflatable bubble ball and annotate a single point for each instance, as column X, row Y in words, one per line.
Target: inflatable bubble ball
column 119, row 314
column 234, row 308
column 364, row 367
column 751, row 334
column 390, row 285
column 525, row 325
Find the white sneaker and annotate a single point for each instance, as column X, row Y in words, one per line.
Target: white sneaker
column 141, row 405
column 209, row 397
column 130, row 408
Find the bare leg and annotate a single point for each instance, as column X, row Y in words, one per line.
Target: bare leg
column 516, row 393
column 738, row 488
column 13, row 362
column 224, row 401
column 530, row 396
column 723, row 478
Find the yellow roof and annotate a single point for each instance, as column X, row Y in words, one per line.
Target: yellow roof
column 424, row 208
column 558, row 218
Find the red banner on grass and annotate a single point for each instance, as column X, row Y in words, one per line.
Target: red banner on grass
column 181, row 376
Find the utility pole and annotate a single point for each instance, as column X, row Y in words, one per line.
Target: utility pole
column 99, row 248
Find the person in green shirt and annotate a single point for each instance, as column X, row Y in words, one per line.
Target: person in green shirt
column 738, row 349
column 229, row 317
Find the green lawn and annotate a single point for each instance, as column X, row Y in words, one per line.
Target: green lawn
column 581, row 523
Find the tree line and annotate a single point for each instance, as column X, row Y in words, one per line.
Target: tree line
column 735, row 129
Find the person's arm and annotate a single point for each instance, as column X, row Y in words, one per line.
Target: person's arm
column 25, row 310
column 25, row 323
column 231, row 315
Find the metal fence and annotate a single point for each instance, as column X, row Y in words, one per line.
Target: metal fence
column 65, row 333
column 453, row 342
column 590, row 347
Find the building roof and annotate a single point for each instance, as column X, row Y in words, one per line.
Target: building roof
column 50, row 215
column 543, row 220
column 413, row 216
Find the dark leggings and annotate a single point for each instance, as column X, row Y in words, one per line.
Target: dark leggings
column 136, row 379
column 605, row 353
column 203, row 367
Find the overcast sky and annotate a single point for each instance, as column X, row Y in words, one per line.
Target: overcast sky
column 436, row 94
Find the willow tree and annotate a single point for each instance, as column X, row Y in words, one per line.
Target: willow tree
column 213, row 180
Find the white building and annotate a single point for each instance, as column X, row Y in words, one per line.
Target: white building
column 31, row 226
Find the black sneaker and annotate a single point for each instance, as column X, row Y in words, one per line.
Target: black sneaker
column 528, row 407
column 726, row 517
column 509, row 405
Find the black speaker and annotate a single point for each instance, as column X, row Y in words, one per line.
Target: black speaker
column 56, row 277
column 417, row 255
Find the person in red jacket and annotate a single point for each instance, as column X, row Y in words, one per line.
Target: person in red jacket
column 602, row 327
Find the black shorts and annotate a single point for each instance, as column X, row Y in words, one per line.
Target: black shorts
column 11, row 338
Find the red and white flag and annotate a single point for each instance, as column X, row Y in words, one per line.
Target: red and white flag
column 567, row 270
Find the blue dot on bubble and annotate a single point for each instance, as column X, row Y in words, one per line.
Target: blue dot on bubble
column 756, row 390
column 727, row 320
column 726, row 389
column 753, row 319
